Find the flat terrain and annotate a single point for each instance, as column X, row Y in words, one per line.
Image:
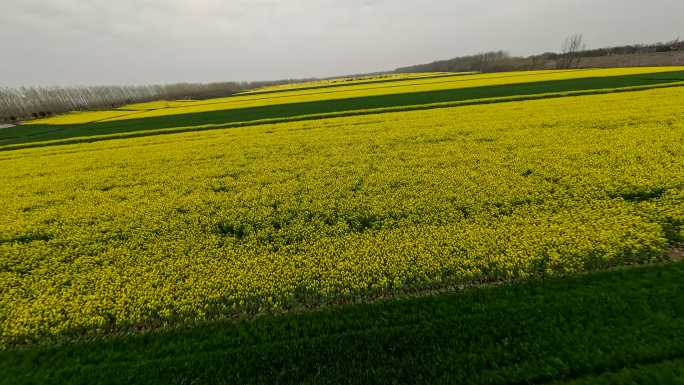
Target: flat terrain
column 274, row 106
column 182, row 241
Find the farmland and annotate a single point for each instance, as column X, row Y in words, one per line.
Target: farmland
column 326, row 102
column 216, row 230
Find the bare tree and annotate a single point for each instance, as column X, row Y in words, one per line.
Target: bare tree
column 33, row 102
column 487, row 61
column 572, row 46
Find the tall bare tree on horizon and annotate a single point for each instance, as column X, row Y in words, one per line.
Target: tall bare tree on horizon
column 572, row 46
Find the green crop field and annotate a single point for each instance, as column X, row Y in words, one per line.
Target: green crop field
column 436, row 228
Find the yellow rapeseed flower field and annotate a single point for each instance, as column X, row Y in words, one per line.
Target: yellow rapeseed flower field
column 231, row 222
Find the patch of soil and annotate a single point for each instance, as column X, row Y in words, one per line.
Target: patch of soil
column 676, row 254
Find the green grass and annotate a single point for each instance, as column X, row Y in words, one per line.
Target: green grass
column 625, row 325
column 41, row 135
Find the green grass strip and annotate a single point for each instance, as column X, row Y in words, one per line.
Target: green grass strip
column 576, row 328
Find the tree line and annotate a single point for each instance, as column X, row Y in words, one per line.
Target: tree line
column 573, row 50
column 23, row 103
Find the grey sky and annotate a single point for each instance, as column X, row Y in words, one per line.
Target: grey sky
column 58, row 42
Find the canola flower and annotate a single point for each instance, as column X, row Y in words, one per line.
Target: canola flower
column 227, row 223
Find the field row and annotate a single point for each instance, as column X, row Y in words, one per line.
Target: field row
column 221, row 115
column 409, row 86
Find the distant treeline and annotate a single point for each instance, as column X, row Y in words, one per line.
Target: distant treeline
column 497, row 61
column 34, row 102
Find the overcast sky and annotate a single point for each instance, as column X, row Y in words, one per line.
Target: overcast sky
column 64, row 42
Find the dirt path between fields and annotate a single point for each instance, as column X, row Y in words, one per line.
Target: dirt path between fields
column 6, row 126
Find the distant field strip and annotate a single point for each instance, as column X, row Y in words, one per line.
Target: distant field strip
column 348, row 82
column 615, row 78
column 142, row 232
column 162, row 117
column 36, row 138
column 578, row 83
